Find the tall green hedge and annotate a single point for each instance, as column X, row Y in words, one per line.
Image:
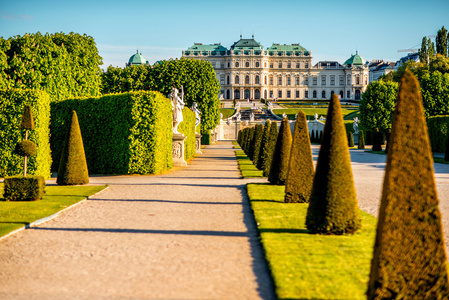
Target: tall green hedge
column 128, row 133
column 438, row 132
column 12, row 103
column 187, row 127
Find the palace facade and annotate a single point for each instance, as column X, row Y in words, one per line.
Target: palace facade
column 248, row 71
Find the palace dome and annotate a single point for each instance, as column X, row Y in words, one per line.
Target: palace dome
column 355, row 60
column 137, row 59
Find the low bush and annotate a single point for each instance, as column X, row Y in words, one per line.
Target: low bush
column 19, row 188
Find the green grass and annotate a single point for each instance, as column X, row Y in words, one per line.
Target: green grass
column 227, row 112
column 246, row 166
column 16, row 214
column 310, row 112
column 308, row 266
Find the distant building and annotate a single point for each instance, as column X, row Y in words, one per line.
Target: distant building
column 414, row 56
column 137, row 59
column 248, row 71
column 378, row 68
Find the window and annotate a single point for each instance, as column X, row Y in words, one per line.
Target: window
column 323, row 80
column 266, row 81
column 279, row 94
column 271, row 65
column 228, row 80
column 257, row 79
column 323, row 94
column 280, row 80
column 306, row 65
column 236, row 94
column 246, row 80
column 297, row 94
column 247, row 94
column 315, row 80
column 271, row 80
column 247, row 64
column 348, row 80
column 357, row 95
column 348, row 94
column 280, row 65
column 314, row 94
column 257, row 64
column 229, row 64
column 306, row 94
column 288, row 94
column 236, row 64
column 342, row 80
column 297, row 80
column 341, row 94
column 332, row 80
column 306, row 80
column 237, row 80
column 257, row 93
column 265, row 64
column 357, row 80
column 222, row 79
column 288, row 80
column 289, row 65
column 297, row 65
column 222, row 65
column 271, row 93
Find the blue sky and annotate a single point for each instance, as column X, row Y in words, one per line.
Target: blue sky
column 332, row 30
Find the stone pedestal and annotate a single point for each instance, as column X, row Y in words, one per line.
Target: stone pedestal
column 356, row 138
column 198, row 143
column 178, row 150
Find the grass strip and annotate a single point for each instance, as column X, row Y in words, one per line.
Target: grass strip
column 246, row 166
column 16, row 214
column 310, row 112
column 309, row 266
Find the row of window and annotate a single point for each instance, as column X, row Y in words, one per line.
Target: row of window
column 247, row 65
column 296, row 79
column 288, row 94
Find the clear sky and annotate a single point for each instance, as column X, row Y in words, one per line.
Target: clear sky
column 332, row 30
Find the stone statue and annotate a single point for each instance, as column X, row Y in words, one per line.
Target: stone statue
column 177, row 104
column 356, row 125
column 239, row 117
column 197, row 112
column 284, row 115
column 316, row 117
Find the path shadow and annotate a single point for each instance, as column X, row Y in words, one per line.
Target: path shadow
column 167, row 201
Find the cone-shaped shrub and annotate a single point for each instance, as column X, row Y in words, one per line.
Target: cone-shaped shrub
column 409, row 260
column 263, row 144
column 268, row 154
column 300, row 172
column 281, row 155
column 257, row 141
column 73, row 165
column 27, row 119
column 252, row 144
column 350, row 139
column 333, row 207
column 361, row 144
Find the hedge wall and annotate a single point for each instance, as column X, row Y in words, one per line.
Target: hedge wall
column 12, row 103
column 128, row 133
column 187, row 127
column 438, row 132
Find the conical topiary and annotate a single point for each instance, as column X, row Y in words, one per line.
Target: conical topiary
column 257, row 141
column 361, row 144
column 281, row 155
column 73, row 165
column 350, row 139
column 300, row 172
column 409, row 260
column 27, row 122
column 333, row 207
column 263, row 144
column 268, row 151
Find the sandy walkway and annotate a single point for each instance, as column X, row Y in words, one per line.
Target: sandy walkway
column 184, row 235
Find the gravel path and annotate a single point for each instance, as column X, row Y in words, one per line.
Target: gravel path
column 189, row 234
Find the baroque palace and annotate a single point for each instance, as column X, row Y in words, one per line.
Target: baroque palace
column 248, row 71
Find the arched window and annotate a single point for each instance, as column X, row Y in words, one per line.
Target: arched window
column 247, row 64
column 323, row 94
column 348, row 94
column 257, row 79
column 257, row 94
column 314, row 94
column 237, row 79
column 266, row 80
column 236, row 64
column 247, row 94
column 228, row 94
column 228, row 80
column 236, row 94
column 341, row 94
column 246, row 79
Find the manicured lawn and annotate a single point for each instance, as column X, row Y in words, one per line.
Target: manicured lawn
column 310, row 112
column 14, row 214
column 304, row 265
column 227, row 112
column 247, row 168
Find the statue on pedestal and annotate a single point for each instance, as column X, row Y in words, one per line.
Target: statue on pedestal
column 177, row 104
column 197, row 112
column 355, row 126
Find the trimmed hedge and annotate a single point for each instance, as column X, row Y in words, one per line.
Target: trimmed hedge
column 12, row 104
column 187, row 127
column 281, row 155
column 438, row 132
column 20, row 188
column 129, row 133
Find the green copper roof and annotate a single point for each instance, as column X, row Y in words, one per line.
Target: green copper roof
column 210, row 47
column 356, row 60
column 246, row 44
column 137, row 59
column 293, row 49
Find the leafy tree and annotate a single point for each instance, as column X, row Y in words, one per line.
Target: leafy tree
column 441, row 41
column 435, row 91
column 430, row 49
column 377, row 105
column 409, row 260
column 333, row 207
column 439, row 63
column 423, row 52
